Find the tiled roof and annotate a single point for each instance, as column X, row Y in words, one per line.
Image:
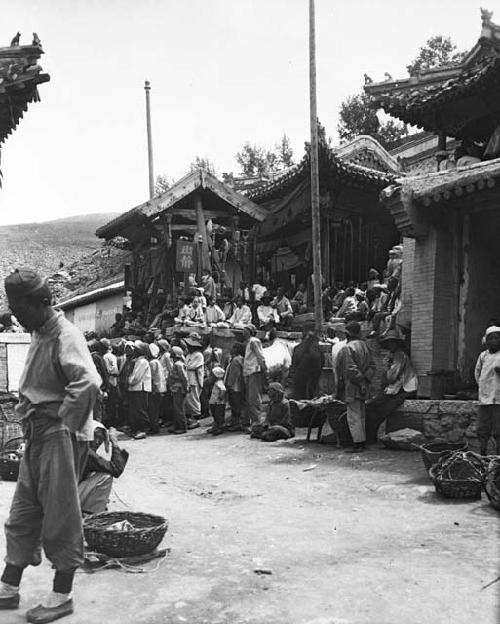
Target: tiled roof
column 331, row 166
column 20, row 74
column 445, row 185
column 416, row 105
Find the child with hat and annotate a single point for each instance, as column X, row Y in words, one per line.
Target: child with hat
column 487, row 374
column 218, row 401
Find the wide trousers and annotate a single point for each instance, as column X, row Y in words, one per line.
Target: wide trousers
column 253, row 399
column 138, row 411
column 356, row 420
column 45, row 511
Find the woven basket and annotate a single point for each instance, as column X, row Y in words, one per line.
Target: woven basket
column 10, row 426
column 9, row 468
column 147, row 534
column 491, row 483
column 432, row 453
column 459, row 475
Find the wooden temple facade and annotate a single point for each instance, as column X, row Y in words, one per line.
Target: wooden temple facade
column 356, row 229
column 198, row 224
column 266, row 232
column 450, row 219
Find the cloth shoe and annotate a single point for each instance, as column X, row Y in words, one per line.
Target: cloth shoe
column 52, row 609
column 193, row 424
column 140, row 435
column 9, row 596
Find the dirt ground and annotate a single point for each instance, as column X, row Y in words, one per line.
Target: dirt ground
column 349, row 539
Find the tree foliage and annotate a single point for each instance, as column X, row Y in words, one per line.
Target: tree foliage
column 436, row 52
column 162, row 184
column 257, row 160
column 358, row 116
column 202, row 162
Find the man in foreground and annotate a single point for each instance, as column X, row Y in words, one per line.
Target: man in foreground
column 57, row 392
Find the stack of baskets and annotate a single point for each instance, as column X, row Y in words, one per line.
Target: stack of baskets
column 459, row 475
column 144, row 534
column 11, row 437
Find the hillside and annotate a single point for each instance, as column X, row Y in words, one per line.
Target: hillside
column 45, row 245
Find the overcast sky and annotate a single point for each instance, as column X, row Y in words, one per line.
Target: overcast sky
column 222, row 72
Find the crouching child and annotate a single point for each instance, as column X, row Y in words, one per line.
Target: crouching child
column 278, row 422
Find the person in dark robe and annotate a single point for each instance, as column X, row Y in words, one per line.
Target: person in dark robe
column 307, row 363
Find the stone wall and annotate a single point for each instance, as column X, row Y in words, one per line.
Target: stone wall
column 439, row 421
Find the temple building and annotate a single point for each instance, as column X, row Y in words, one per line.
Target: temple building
column 356, row 229
column 449, row 218
column 20, row 75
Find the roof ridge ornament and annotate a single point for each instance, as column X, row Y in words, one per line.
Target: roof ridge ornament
column 486, row 17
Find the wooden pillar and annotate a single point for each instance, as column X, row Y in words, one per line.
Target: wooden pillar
column 202, row 232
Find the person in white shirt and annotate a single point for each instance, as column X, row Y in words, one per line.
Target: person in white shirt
column 339, row 341
column 158, row 388
column 487, row 374
column 139, row 387
column 268, row 315
column 214, row 316
column 242, row 315
column 399, row 384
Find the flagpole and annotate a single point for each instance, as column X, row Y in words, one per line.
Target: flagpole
column 315, row 214
column 147, row 89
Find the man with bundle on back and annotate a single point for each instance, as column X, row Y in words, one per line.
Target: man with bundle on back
column 57, row 392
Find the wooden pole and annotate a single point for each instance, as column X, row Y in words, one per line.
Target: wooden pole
column 315, row 214
column 147, row 89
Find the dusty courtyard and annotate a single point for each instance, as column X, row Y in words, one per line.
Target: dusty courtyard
column 349, row 539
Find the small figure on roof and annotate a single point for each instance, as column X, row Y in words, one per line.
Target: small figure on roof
column 388, row 77
column 36, row 40
column 15, row 41
column 486, row 17
column 368, row 80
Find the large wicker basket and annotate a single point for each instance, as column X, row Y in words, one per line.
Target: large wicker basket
column 10, row 460
column 459, row 475
column 433, row 452
column 146, row 535
column 491, row 483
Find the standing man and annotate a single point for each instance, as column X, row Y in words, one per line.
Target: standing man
column 254, row 370
column 487, row 374
column 355, row 369
column 57, row 392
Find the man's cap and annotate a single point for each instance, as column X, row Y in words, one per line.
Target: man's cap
column 154, row 349
column 142, row 348
column 22, row 283
column 177, row 352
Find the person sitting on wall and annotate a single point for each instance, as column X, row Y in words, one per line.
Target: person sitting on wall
column 229, row 306
column 214, row 316
column 242, row 315
column 349, row 305
column 267, row 314
column 209, row 284
column 105, row 461
column 383, row 306
column 337, row 298
column 10, row 324
column 283, row 307
column 399, row 383
column 373, row 279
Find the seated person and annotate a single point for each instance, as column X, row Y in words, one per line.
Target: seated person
column 266, row 313
column 214, row 316
column 184, row 307
column 373, row 279
column 398, row 384
column 242, row 315
column 117, row 329
column 278, row 422
column 349, row 304
column 95, row 487
column 195, row 315
column 299, row 301
column 283, row 307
